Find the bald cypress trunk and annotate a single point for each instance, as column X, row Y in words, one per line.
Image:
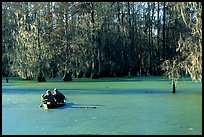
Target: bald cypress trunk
column 174, row 87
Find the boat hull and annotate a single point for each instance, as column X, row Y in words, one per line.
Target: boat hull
column 52, row 106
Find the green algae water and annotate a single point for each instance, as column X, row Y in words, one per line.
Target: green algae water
column 124, row 107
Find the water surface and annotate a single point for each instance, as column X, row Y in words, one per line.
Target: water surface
column 119, row 111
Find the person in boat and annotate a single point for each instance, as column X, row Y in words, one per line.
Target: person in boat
column 59, row 97
column 48, row 97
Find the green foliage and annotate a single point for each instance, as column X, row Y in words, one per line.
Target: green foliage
column 101, row 39
column 190, row 46
column 171, row 69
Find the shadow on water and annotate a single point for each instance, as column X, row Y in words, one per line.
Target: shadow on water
column 86, row 106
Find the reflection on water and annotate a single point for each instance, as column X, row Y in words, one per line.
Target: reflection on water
column 115, row 113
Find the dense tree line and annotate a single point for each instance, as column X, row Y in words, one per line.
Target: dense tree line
column 99, row 39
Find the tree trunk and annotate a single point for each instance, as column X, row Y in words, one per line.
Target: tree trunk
column 174, row 87
column 7, row 80
column 152, row 62
column 94, row 71
column 164, row 40
column 67, row 77
column 40, row 76
column 158, row 44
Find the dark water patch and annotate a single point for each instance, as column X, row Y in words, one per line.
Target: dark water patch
column 113, row 91
column 73, row 91
column 43, row 90
column 22, row 91
column 8, row 84
column 86, row 106
column 111, row 80
column 134, row 91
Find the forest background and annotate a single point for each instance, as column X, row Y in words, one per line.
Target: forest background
column 101, row 39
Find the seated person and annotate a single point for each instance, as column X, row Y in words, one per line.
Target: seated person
column 48, row 97
column 59, row 97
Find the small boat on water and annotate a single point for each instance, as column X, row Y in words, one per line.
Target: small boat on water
column 69, row 105
column 52, row 106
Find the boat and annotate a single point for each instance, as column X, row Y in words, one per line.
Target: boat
column 52, row 106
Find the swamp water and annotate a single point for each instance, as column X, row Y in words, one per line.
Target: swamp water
column 123, row 109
